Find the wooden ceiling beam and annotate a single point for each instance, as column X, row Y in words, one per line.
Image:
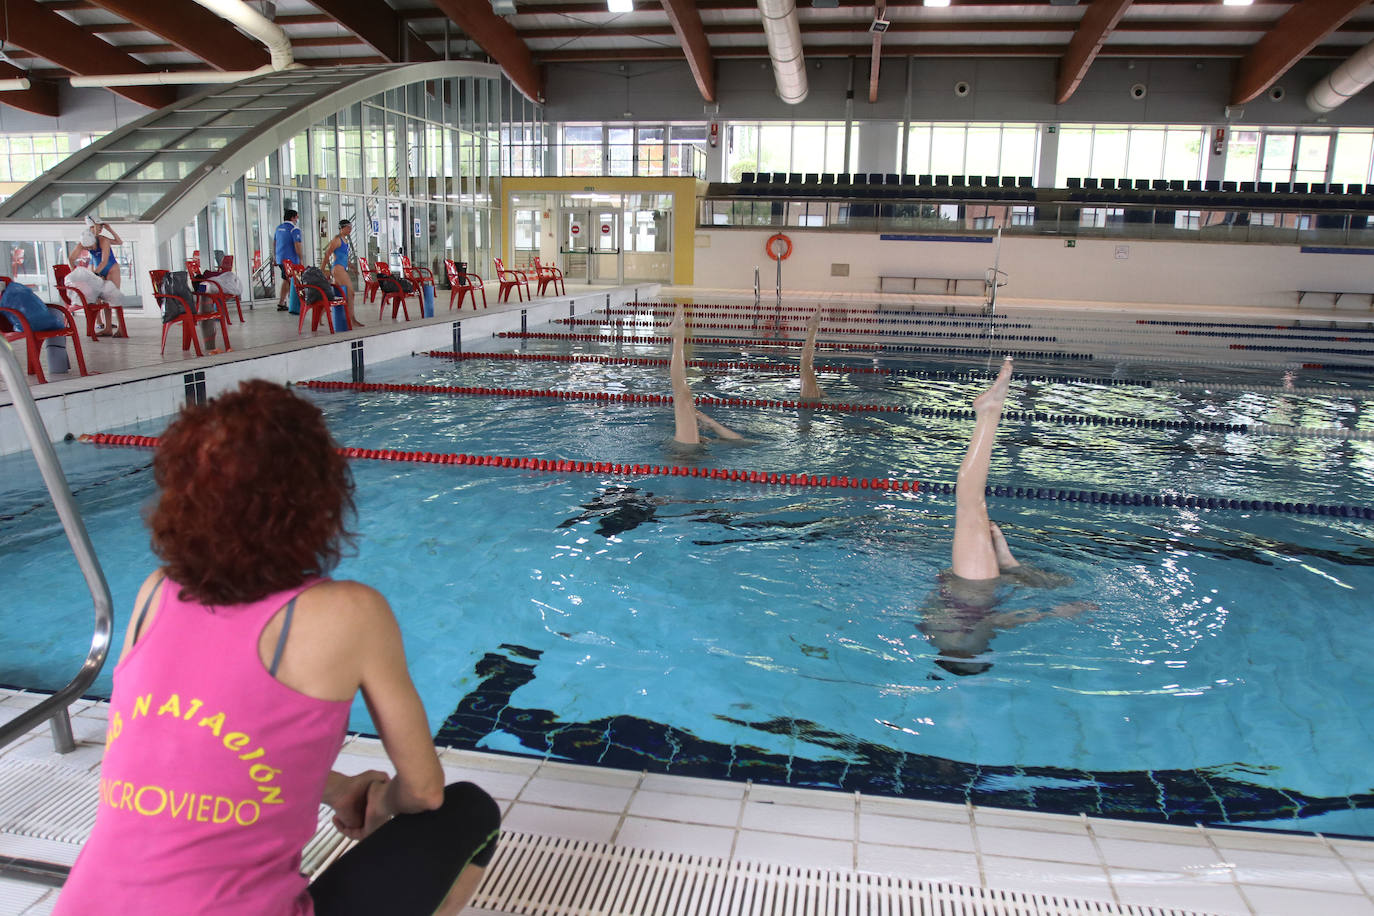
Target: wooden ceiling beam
column 686, row 22
column 194, row 29
column 499, row 40
column 379, row 27
column 1288, row 42
column 1097, row 23
column 40, row 98
column 43, row 32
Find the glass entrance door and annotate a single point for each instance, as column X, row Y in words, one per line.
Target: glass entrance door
column 574, row 244
column 605, row 247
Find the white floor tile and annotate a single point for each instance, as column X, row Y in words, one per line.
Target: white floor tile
column 1219, row 899
column 1026, row 844
column 905, row 807
column 896, row 831
column 581, row 795
column 580, row 825
column 1276, row 869
column 692, row 839
column 827, row 823
column 1355, row 850
column 1156, row 856
column 18, row 896
column 691, row 785
column 794, row 850
column 1028, row 820
column 809, row 798
column 552, row 769
column 1284, row 901
column 720, row 812
column 1047, row 877
column 1148, row 833
column 500, row 786
column 925, row 864
column 44, row 905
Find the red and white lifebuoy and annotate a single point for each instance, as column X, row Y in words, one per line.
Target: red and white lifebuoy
column 778, row 254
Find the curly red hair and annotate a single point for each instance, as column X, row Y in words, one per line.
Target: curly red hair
column 254, row 495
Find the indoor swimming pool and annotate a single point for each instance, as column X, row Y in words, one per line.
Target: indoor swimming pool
column 1205, row 665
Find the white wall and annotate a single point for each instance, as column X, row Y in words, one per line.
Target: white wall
column 1179, row 91
column 1044, row 268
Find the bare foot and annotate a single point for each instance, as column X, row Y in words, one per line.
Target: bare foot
column 995, row 396
column 999, row 546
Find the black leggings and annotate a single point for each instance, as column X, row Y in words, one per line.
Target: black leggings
column 409, row 863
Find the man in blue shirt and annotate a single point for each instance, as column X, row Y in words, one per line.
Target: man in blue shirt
column 288, row 248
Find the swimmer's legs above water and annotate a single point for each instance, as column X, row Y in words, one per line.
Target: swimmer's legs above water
column 810, row 391
column 685, row 415
column 978, row 552
column 684, row 411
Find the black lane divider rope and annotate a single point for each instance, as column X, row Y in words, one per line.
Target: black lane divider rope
column 1261, row 327
column 1029, row 416
column 564, row 466
column 956, row 375
column 801, row 329
column 767, row 313
column 987, row 325
column 807, row 310
column 795, row 344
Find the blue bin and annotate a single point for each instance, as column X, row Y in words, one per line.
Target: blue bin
column 428, row 295
column 340, row 319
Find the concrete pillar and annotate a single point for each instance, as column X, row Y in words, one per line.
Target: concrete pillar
column 1049, row 156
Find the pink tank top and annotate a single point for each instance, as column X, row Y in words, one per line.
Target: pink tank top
column 213, row 772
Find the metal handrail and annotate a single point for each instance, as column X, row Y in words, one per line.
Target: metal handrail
column 993, row 280
column 54, row 708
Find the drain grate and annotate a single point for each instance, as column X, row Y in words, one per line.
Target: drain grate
column 535, row 875
column 53, row 807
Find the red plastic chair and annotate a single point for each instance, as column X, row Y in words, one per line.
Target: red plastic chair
column 322, row 306
column 462, row 285
column 547, row 275
column 14, row 326
column 189, row 316
column 193, row 264
column 416, row 275
column 370, row 286
column 225, row 266
column 397, row 300
column 511, row 279
column 92, row 310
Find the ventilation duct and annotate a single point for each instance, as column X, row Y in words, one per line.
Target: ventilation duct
column 1340, row 84
column 785, row 48
column 240, row 14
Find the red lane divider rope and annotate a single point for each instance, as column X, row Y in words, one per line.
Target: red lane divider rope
column 580, row 467
column 812, row 480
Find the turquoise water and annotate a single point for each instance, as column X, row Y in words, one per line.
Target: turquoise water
column 729, row 629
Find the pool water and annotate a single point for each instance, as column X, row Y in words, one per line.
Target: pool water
column 704, row 627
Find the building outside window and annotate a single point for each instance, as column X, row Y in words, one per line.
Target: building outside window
column 1172, row 152
column 972, row 149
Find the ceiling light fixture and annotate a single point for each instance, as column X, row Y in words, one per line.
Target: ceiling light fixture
column 620, row 6
column 937, row 2
column 1237, row 2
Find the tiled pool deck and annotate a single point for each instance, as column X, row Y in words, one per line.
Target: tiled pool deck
column 1197, row 868
column 1220, row 871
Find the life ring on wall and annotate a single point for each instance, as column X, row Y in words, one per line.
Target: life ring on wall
column 772, row 252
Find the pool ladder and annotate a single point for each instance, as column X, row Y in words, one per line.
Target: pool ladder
column 54, row 708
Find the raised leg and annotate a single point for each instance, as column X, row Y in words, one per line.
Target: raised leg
column 684, row 410
column 810, row 391
column 975, row 556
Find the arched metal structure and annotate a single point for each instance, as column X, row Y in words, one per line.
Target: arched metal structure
column 164, row 168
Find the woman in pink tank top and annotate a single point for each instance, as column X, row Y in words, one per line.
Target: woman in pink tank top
column 232, row 693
